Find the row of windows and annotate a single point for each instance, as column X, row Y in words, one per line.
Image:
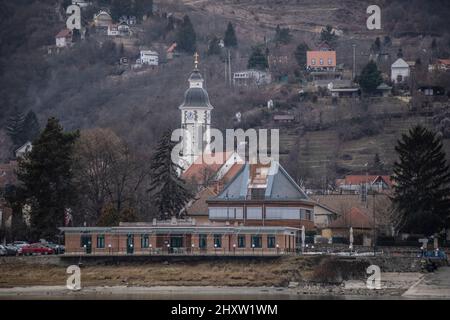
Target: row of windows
column 321, row 62
column 255, row 213
column 256, row 241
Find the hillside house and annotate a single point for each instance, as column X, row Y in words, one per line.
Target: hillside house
column 120, row 29
column 383, row 90
column 400, row 71
column 128, row 20
column 251, row 78
column 23, row 150
column 322, row 60
column 64, row 38
column 440, row 65
column 82, row 3
column 284, row 118
column 102, row 20
column 343, row 88
column 149, row 57
column 355, row 183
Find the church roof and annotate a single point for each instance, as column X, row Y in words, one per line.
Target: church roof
column 400, row 63
column 196, row 98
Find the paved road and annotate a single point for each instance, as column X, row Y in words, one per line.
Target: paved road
column 432, row 285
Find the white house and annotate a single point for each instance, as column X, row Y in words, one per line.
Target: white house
column 81, row 3
column 64, row 38
column 400, row 70
column 251, row 77
column 27, row 147
column 120, row 29
column 102, row 20
column 149, row 57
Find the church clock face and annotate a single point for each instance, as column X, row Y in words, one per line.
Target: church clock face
column 189, row 115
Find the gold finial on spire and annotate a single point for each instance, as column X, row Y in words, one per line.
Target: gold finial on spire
column 196, row 56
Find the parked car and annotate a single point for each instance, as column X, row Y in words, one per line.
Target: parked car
column 11, row 250
column 20, row 244
column 57, row 248
column 35, row 248
column 3, row 251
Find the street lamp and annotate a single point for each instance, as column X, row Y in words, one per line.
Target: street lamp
column 193, row 248
column 150, row 246
column 109, row 248
column 234, row 248
column 278, row 248
column 253, row 248
column 168, row 248
column 215, row 248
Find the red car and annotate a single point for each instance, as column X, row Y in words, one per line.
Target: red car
column 35, row 248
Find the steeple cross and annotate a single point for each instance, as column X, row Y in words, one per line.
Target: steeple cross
column 196, row 56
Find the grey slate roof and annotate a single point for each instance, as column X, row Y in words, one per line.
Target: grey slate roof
column 280, row 186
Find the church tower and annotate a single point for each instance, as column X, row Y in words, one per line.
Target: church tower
column 195, row 117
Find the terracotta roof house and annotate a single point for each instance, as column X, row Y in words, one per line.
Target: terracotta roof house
column 263, row 195
column 441, row 65
column 64, row 38
column 198, row 208
column 321, row 60
column 356, row 219
column 353, row 183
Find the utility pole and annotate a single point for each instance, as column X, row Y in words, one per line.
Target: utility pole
column 354, row 62
column 374, row 225
column 229, row 65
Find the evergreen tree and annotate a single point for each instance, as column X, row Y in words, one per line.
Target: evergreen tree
column 230, row 39
column 31, row 128
column 370, row 78
column 376, row 46
column 168, row 192
column 258, row 60
column 282, row 35
column 300, row 54
column 327, row 35
column 14, row 128
column 46, row 175
column 186, row 37
column 214, row 47
column 387, row 41
column 377, row 165
column 400, row 53
column 422, row 183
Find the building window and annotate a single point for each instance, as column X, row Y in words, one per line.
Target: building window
column 217, row 241
column 330, row 61
column 271, row 242
column 241, row 241
column 145, row 243
column 308, row 215
column 101, row 241
column 202, row 243
column 313, row 62
column 321, row 62
column 256, row 242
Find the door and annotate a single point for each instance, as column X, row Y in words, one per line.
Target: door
column 176, row 242
column 86, row 243
column 130, row 244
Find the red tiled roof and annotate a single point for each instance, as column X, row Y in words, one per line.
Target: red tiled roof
column 64, row 33
column 201, row 169
column 361, row 179
column 356, row 218
column 444, row 61
column 199, row 207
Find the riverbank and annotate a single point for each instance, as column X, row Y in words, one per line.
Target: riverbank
column 290, row 277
